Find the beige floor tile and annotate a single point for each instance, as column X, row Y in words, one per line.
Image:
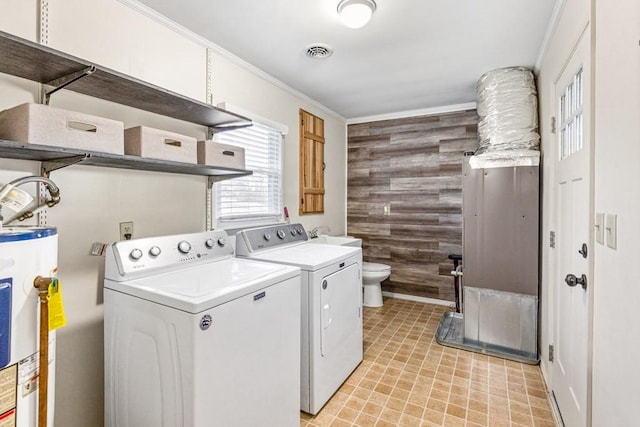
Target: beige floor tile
column 383, row 389
column 546, row 422
column 456, row 411
column 521, row 419
column 439, row 395
column 399, row 393
column 355, row 403
column 347, row 414
column 384, row 423
column 339, row 423
column 332, row 407
column 451, row 421
column 372, row 409
column 362, row 393
column 365, row 420
column 396, row 404
column 477, row 417
column 409, row 421
column 414, row 410
column 390, row 415
column 478, row 406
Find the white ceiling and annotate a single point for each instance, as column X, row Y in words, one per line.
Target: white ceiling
column 412, row 55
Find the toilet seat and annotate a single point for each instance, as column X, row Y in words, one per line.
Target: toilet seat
column 374, row 267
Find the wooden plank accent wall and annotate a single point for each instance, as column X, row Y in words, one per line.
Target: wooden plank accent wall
column 414, row 166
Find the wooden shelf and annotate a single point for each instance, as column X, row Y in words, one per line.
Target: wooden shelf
column 53, row 158
column 29, row 60
column 32, row 61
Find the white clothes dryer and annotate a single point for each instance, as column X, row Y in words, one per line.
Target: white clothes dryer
column 331, row 305
column 195, row 337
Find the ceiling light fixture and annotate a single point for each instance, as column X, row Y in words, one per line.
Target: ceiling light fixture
column 356, row 13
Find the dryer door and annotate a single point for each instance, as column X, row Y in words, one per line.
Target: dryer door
column 340, row 307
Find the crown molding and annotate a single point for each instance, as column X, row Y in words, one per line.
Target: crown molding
column 413, row 113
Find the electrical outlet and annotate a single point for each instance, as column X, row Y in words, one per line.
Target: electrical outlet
column 386, row 210
column 126, row 230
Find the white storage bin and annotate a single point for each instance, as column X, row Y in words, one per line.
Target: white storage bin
column 44, row 125
column 215, row 154
column 160, row 144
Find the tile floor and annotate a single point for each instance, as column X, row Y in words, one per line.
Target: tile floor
column 408, row 379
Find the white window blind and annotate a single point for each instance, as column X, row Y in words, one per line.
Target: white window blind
column 258, row 197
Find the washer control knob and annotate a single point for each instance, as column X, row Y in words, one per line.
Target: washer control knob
column 209, row 243
column 184, row 247
column 267, row 236
column 294, row 231
column 300, row 230
column 155, row 251
column 281, row 234
column 135, row 254
column 222, row 241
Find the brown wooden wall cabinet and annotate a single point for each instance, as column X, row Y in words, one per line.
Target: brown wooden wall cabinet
column 404, row 197
column 311, row 164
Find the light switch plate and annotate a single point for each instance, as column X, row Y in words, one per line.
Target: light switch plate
column 599, row 228
column 611, row 230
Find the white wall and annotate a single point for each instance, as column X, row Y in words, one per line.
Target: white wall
column 616, row 367
column 95, row 200
column 17, row 17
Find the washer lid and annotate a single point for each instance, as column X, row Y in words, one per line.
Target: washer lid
column 308, row 256
column 199, row 288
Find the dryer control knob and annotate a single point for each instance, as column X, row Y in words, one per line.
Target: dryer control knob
column 294, row 231
column 184, row 247
column 209, row 243
column 281, row 234
column 155, row 251
column 135, row 254
column 300, row 230
column 222, row 241
column 267, row 236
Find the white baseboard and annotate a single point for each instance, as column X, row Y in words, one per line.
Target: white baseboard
column 419, row 299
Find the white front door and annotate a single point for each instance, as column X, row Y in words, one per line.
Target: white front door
column 570, row 384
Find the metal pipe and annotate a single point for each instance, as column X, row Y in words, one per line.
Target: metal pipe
column 42, row 285
column 28, row 212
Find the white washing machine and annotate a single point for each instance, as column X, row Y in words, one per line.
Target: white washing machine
column 25, row 253
column 195, row 337
column 331, row 305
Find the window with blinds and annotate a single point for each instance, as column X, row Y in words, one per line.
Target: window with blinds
column 254, row 199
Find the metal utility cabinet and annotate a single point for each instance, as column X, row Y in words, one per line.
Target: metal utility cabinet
column 500, row 240
column 500, row 257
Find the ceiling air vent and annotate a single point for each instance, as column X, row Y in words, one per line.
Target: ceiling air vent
column 319, row 50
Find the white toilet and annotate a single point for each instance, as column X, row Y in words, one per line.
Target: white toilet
column 372, row 274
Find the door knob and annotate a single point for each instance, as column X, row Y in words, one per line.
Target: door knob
column 572, row 280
